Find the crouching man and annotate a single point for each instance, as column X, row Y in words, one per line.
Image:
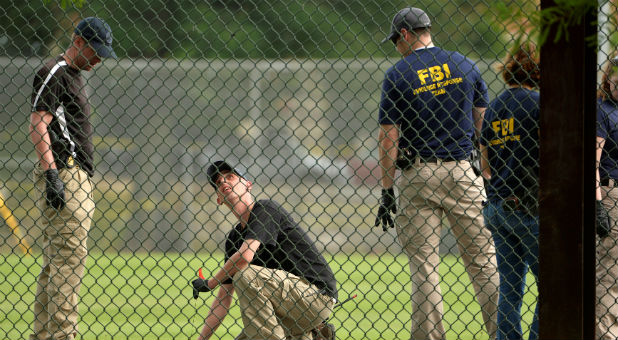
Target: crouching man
column 285, row 287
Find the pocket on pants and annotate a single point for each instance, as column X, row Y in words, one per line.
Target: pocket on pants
column 489, row 216
column 463, row 173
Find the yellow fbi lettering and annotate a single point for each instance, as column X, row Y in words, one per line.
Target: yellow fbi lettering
column 436, row 73
column 504, row 129
column 439, row 77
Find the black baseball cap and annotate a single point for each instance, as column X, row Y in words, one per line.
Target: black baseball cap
column 98, row 34
column 614, row 61
column 409, row 18
column 217, row 168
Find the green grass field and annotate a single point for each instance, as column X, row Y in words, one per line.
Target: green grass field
column 147, row 296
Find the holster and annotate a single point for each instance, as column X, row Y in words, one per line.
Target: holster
column 61, row 153
column 526, row 199
column 405, row 159
column 475, row 161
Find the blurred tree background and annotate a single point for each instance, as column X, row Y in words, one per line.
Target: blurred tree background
column 289, row 87
column 245, row 29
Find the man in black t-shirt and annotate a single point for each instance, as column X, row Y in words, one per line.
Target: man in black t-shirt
column 62, row 136
column 285, row 286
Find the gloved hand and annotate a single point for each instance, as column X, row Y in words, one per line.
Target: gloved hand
column 324, row 331
column 387, row 205
column 603, row 221
column 199, row 286
column 54, row 190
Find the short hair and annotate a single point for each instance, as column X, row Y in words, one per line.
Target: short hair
column 418, row 32
column 608, row 68
column 421, row 31
column 521, row 66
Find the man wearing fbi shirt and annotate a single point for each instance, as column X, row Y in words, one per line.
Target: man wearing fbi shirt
column 430, row 112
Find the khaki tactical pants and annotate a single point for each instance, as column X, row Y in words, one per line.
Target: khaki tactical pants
column 427, row 191
column 278, row 305
column 607, row 272
column 64, row 255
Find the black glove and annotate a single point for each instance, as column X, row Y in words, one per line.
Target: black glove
column 324, row 331
column 387, row 205
column 603, row 221
column 199, row 286
column 54, row 190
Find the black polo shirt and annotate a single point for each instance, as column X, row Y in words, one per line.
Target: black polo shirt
column 60, row 90
column 284, row 245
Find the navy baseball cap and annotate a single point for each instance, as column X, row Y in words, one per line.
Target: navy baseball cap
column 98, row 34
column 217, row 168
column 409, row 18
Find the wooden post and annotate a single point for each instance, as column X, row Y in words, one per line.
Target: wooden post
column 567, row 179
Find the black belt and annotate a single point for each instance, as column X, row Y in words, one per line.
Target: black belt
column 406, row 159
column 605, row 182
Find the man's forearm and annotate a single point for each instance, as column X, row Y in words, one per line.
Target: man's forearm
column 218, row 311
column 388, row 171
column 41, row 140
column 234, row 264
column 478, row 113
column 388, row 141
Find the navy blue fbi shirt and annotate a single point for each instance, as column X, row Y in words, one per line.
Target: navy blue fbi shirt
column 510, row 132
column 431, row 94
column 284, row 245
column 607, row 128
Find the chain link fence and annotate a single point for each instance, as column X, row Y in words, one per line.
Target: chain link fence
column 291, row 93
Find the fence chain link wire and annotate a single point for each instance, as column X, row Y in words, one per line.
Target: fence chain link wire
column 299, row 97
column 607, row 236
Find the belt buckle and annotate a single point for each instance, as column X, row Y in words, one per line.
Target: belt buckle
column 70, row 162
column 404, row 161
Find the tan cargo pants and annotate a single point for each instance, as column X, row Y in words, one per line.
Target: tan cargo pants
column 64, row 255
column 278, row 305
column 607, row 272
column 427, row 191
